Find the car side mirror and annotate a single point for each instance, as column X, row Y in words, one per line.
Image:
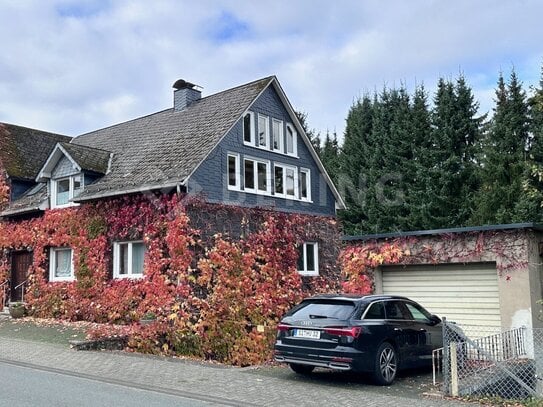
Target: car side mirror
column 434, row 320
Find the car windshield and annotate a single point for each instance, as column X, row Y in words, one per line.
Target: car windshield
column 323, row 309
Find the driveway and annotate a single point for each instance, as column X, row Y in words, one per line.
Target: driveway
column 211, row 383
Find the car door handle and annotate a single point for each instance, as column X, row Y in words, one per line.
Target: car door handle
column 422, row 330
column 398, row 329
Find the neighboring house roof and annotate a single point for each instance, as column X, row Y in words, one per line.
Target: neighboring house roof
column 533, row 226
column 23, row 151
column 162, row 149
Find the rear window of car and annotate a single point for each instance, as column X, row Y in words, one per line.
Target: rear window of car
column 323, row 309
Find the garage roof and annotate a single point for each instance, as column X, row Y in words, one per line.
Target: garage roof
column 534, row 226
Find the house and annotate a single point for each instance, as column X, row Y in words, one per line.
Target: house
column 489, row 276
column 240, row 149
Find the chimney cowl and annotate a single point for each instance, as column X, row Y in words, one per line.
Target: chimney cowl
column 185, row 93
column 183, row 84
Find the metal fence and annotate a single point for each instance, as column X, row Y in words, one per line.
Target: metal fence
column 484, row 361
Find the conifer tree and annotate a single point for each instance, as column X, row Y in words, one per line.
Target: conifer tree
column 453, row 175
column 530, row 209
column 355, row 163
column 314, row 137
column 420, row 196
column 329, row 155
column 504, row 159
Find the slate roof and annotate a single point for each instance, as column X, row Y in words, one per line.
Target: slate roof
column 23, row 151
column 32, row 200
column 88, row 158
column 163, row 149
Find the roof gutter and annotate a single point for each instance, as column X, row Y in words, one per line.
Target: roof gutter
column 146, row 188
column 21, row 211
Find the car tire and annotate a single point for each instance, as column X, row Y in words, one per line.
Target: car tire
column 386, row 364
column 301, row 369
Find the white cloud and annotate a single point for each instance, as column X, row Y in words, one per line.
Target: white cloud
column 71, row 67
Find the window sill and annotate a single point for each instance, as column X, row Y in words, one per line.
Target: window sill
column 128, row 277
column 269, row 194
column 61, row 280
column 270, row 150
column 308, row 273
column 68, row 205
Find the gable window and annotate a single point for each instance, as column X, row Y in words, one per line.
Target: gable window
column 263, row 131
column 61, row 266
column 286, row 181
column 308, row 259
column 256, row 175
column 128, row 259
column 249, row 128
column 277, row 135
column 233, row 171
column 290, row 182
column 65, row 189
column 305, row 184
column 291, row 142
column 279, row 180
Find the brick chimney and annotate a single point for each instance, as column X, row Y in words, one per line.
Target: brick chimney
column 184, row 94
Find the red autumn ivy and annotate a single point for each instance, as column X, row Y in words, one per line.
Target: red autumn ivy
column 216, row 298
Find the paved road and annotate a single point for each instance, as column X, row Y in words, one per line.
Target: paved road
column 29, row 387
column 201, row 382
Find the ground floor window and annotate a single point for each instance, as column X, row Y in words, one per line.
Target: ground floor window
column 61, row 267
column 308, row 259
column 128, row 259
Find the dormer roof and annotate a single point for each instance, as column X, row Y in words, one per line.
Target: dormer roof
column 83, row 158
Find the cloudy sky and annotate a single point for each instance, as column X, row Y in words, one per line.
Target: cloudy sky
column 73, row 66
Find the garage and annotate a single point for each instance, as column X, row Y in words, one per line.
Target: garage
column 464, row 293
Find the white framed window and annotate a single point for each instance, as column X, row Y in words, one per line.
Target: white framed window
column 291, row 141
column 263, row 131
column 305, row 184
column 279, row 180
column 308, row 259
column 256, row 176
column 128, row 258
column 285, row 181
column 61, row 265
column 277, row 136
column 63, row 190
column 233, row 171
column 249, row 128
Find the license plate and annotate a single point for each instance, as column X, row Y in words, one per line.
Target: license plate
column 307, row 333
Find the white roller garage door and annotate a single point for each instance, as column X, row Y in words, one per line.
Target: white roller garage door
column 467, row 294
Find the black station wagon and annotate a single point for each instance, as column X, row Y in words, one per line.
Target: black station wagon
column 378, row 334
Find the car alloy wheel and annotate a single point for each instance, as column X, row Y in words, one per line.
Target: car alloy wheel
column 387, row 364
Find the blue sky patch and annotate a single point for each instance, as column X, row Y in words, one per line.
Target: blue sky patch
column 227, row 27
column 82, row 9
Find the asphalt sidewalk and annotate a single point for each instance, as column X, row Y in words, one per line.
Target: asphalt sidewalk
column 217, row 384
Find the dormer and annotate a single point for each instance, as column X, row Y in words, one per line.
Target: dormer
column 69, row 168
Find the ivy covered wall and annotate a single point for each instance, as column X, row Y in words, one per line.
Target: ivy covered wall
column 217, row 277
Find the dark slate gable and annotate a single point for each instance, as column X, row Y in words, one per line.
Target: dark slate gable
column 23, row 151
column 163, row 149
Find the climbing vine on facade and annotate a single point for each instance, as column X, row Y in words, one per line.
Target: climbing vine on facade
column 216, row 295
